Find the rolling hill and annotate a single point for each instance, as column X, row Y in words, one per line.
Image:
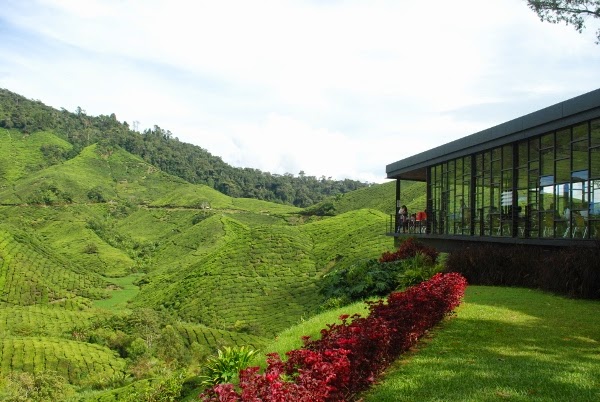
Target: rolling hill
column 94, row 240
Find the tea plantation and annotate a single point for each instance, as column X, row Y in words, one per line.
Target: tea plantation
column 114, row 273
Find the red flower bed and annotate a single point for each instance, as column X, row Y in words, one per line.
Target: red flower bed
column 349, row 355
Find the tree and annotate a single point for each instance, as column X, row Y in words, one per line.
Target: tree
column 571, row 12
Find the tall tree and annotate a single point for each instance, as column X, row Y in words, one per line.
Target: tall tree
column 571, row 12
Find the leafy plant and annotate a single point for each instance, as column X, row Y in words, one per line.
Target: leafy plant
column 411, row 264
column 417, row 269
column 409, row 248
column 226, row 365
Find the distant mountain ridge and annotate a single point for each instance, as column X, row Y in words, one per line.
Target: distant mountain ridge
column 160, row 148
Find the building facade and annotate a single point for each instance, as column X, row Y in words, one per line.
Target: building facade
column 532, row 180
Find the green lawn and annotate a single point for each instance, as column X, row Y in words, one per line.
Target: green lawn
column 503, row 344
column 120, row 297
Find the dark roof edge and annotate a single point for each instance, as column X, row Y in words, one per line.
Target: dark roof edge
column 574, row 106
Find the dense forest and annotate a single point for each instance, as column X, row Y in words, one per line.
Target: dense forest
column 162, row 149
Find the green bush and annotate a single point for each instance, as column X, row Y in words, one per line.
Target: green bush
column 167, row 388
column 224, row 367
column 39, row 387
column 375, row 278
column 416, row 270
column 136, row 348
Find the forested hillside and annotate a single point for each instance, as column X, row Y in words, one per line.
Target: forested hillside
column 162, row 149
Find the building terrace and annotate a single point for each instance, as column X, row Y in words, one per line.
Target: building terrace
column 532, row 180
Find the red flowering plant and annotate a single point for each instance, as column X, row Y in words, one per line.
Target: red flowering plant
column 409, row 248
column 349, row 356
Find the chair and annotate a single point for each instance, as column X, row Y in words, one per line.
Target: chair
column 421, row 222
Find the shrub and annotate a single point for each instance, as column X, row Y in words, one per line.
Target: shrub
column 44, row 386
column 409, row 248
column 348, row 356
column 136, row 349
column 410, row 264
column 90, row 248
column 361, row 280
column 165, row 389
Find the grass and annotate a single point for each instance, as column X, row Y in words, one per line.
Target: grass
column 291, row 338
column 504, row 344
column 119, row 298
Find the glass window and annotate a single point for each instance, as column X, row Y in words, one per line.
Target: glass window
column 459, row 167
column 534, row 149
column 547, row 141
column 580, row 175
column 562, row 200
column 594, row 207
column 467, row 166
column 547, row 162
column 563, row 170
column 579, row 196
column 496, row 169
column 595, row 162
column 522, row 179
column 580, row 132
column 595, row 132
column 507, row 157
column 579, row 155
column 533, row 179
column 507, row 176
column 547, row 198
column 522, row 154
column 479, row 194
column 563, row 141
column 478, row 164
column 487, row 163
column 496, row 154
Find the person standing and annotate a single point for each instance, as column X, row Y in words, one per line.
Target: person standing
column 403, row 218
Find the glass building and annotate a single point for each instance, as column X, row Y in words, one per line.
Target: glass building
column 531, row 180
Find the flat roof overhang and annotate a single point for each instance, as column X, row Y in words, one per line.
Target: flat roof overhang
column 569, row 112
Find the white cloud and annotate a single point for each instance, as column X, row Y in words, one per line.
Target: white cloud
column 336, row 89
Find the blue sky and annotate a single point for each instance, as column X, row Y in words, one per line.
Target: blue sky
column 334, row 88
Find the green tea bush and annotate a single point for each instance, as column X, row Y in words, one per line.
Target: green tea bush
column 44, row 386
column 166, row 388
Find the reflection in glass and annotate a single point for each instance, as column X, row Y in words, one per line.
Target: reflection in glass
column 563, row 170
column 579, row 155
column 595, row 132
column 563, row 141
column 580, row 132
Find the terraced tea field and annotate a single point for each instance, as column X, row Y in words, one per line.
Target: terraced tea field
column 102, row 255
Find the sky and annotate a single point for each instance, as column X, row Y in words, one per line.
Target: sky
column 333, row 88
